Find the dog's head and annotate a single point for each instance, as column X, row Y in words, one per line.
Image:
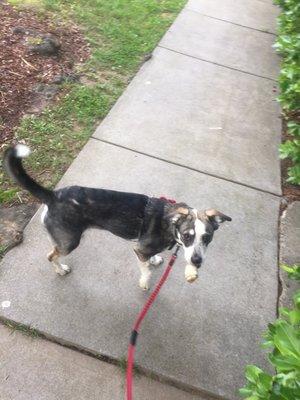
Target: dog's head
column 194, row 230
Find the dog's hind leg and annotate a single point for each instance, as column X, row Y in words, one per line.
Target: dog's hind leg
column 53, row 257
column 145, row 260
column 64, row 242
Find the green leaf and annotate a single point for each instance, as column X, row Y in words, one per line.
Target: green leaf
column 286, row 339
column 284, row 311
column 292, row 270
column 244, row 392
column 293, row 128
column 285, row 363
column 252, row 373
column 295, row 317
column 264, row 383
column 296, row 299
column 289, row 394
column 290, row 379
column 294, row 175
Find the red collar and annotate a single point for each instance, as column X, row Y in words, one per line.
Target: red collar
column 168, row 200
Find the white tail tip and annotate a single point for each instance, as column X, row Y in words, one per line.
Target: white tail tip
column 22, row 150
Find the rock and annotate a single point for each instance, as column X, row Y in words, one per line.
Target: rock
column 46, row 46
column 19, row 30
column 65, row 78
column 39, row 43
column 147, row 57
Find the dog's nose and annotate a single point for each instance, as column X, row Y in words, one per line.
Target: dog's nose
column 196, row 260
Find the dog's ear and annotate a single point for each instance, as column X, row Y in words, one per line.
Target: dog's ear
column 178, row 213
column 216, row 217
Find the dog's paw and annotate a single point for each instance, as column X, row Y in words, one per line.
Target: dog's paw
column 191, row 273
column 156, row 260
column 63, row 269
column 144, row 284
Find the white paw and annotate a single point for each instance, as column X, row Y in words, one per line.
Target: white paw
column 144, row 284
column 191, row 273
column 63, row 269
column 156, row 260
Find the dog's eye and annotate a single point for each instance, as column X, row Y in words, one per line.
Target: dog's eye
column 206, row 238
column 187, row 236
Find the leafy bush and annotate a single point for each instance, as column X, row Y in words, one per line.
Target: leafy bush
column 288, row 45
column 293, row 271
column 284, row 337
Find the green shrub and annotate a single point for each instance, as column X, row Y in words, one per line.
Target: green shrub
column 293, row 271
column 288, row 45
column 283, row 336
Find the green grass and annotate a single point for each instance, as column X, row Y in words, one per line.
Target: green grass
column 3, row 249
column 122, row 364
column 120, row 33
column 24, row 329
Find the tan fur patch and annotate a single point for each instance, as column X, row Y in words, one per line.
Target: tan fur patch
column 212, row 212
column 202, row 216
column 182, row 210
column 215, row 213
column 54, row 253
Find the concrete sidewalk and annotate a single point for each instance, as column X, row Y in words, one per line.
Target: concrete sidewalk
column 36, row 369
column 198, row 123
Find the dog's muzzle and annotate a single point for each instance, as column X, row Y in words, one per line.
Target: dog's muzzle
column 196, row 260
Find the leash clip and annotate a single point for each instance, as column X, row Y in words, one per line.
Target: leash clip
column 178, row 246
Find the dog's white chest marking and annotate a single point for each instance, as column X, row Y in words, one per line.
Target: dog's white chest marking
column 44, row 213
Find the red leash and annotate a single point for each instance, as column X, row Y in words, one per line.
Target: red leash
column 141, row 316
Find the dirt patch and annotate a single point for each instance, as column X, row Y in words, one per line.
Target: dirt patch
column 34, row 51
column 13, row 221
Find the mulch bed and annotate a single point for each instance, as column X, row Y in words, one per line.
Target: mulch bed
column 22, row 69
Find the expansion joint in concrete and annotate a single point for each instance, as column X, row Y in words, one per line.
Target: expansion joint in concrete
column 218, row 64
column 230, row 22
column 187, row 167
column 104, row 358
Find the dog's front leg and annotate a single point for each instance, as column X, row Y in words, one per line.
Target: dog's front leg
column 144, row 265
column 156, row 260
column 145, row 274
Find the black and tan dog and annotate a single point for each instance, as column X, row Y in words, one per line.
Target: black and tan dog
column 155, row 223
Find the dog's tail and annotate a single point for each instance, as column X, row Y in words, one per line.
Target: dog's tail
column 13, row 165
